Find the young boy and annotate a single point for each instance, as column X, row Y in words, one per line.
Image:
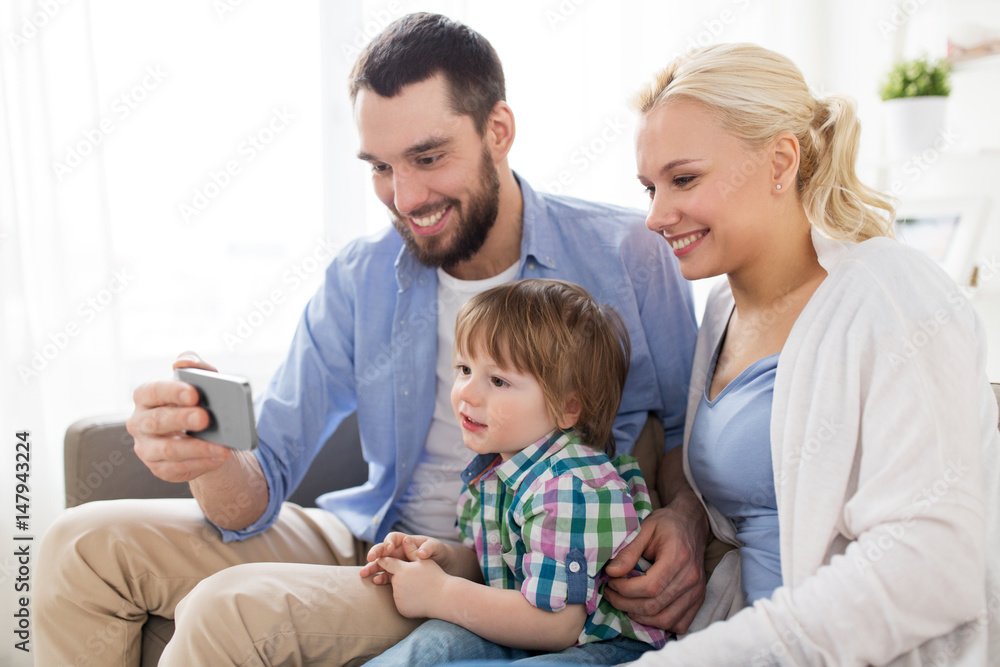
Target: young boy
column 540, row 368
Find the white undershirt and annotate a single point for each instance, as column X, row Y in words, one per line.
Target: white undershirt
column 428, row 506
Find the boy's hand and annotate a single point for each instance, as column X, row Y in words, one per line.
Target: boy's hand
column 402, row 547
column 417, row 586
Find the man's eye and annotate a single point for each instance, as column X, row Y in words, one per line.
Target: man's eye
column 380, row 168
column 428, row 160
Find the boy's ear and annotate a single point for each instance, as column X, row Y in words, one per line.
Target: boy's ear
column 570, row 413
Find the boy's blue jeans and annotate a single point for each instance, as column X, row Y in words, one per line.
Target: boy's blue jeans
column 438, row 642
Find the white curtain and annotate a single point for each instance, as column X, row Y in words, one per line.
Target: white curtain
column 160, row 190
column 57, row 349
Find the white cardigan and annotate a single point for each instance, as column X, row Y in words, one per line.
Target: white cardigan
column 885, row 450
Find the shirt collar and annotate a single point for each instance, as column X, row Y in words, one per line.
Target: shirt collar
column 829, row 252
column 537, row 239
column 515, row 469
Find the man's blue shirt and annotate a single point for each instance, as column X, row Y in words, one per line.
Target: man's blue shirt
column 367, row 342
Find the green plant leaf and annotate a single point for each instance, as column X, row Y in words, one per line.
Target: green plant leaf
column 917, row 78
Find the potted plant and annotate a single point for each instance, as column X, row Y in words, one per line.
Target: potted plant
column 914, row 95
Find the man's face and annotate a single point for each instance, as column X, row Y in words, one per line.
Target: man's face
column 431, row 169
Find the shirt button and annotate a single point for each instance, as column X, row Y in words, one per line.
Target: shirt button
column 406, row 392
column 574, row 567
column 374, row 520
column 531, row 266
column 494, row 539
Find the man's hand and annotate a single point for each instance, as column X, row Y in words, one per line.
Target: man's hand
column 673, row 588
column 402, row 547
column 163, row 411
column 417, row 586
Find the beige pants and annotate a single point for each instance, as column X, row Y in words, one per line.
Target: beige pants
column 289, row 596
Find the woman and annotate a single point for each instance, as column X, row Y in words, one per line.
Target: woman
column 841, row 429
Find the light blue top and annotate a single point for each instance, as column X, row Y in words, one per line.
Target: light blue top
column 730, row 458
column 367, row 343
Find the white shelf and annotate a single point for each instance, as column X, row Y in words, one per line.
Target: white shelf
column 977, row 63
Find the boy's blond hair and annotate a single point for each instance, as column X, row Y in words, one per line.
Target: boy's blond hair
column 555, row 332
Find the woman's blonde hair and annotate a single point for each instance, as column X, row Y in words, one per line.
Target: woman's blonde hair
column 756, row 94
column 557, row 333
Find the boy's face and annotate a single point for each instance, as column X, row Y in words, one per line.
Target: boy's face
column 500, row 411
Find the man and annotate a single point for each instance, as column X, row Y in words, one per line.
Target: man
column 429, row 105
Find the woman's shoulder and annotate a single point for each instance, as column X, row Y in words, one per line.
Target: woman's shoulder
column 886, row 286
column 883, row 258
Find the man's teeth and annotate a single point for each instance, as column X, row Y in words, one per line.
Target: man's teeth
column 429, row 220
column 684, row 242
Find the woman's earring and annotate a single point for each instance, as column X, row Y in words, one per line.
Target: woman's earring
column 778, row 186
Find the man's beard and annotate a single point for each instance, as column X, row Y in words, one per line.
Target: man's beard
column 473, row 228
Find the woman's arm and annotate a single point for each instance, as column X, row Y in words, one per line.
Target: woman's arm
column 422, row 589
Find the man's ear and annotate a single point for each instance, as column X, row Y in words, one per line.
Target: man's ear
column 499, row 132
column 570, row 413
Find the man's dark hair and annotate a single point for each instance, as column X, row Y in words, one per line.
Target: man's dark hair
column 419, row 46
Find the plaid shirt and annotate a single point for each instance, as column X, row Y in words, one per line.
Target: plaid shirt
column 547, row 521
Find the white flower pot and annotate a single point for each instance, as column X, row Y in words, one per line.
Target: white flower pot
column 913, row 124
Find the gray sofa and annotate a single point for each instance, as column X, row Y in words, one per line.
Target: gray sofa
column 100, row 465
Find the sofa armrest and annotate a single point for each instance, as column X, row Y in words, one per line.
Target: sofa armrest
column 99, row 464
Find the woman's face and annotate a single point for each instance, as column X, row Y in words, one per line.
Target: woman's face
column 710, row 197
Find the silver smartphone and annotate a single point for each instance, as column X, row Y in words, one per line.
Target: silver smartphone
column 229, row 403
